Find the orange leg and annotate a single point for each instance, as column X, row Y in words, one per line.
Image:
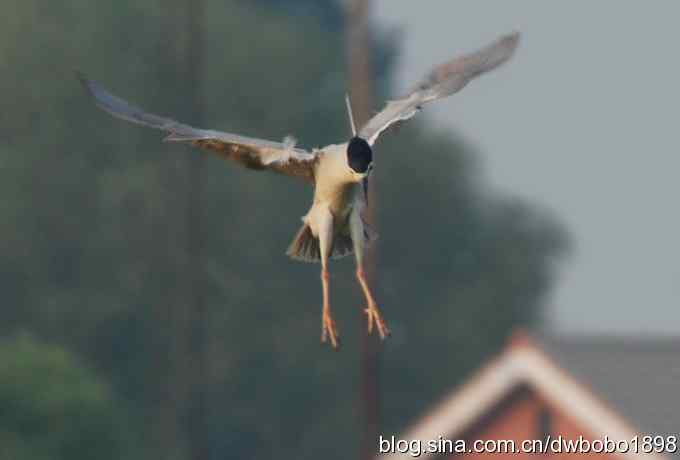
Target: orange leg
column 372, row 310
column 328, row 329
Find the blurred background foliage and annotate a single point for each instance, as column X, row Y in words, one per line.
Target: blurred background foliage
column 53, row 407
column 93, row 241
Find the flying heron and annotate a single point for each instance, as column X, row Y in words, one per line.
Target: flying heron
column 334, row 226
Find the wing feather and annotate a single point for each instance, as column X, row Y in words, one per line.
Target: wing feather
column 442, row 81
column 250, row 152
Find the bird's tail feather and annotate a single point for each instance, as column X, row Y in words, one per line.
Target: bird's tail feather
column 305, row 246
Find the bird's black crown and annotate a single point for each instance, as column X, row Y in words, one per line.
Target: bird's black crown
column 359, row 154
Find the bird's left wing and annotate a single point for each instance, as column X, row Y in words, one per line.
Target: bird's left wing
column 252, row 153
column 442, row 81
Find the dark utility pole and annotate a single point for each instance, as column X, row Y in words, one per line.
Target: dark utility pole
column 182, row 352
column 360, row 75
column 196, row 423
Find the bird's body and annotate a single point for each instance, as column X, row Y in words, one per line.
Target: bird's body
column 336, row 186
column 338, row 192
column 334, row 226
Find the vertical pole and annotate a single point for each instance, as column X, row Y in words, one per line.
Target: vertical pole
column 196, row 427
column 360, row 76
column 164, row 382
column 180, row 346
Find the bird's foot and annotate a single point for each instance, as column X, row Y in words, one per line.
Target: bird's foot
column 328, row 330
column 374, row 316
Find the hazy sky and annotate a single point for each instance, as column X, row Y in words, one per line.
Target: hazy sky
column 584, row 121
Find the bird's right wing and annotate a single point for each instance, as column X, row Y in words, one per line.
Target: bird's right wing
column 442, row 81
column 252, row 153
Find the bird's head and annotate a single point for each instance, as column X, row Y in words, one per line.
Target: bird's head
column 359, row 157
column 359, row 153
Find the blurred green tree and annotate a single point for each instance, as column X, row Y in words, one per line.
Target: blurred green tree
column 93, row 209
column 51, row 407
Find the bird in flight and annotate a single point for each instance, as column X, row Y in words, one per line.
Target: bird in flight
column 334, row 226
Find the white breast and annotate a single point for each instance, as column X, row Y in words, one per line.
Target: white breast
column 335, row 182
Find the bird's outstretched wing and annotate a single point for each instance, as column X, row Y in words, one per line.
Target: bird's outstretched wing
column 249, row 152
column 442, row 81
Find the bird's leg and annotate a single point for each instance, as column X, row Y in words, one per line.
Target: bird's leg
column 359, row 241
column 324, row 223
column 372, row 310
column 328, row 330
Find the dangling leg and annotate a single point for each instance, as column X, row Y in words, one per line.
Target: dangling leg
column 324, row 225
column 372, row 311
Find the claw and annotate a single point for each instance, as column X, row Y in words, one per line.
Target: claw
column 329, row 331
column 370, row 320
column 371, row 310
column 374, row 316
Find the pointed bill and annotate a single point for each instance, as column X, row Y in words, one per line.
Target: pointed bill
column 348, row 103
